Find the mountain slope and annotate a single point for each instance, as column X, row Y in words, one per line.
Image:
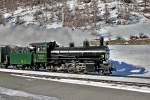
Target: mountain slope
column 99, row 16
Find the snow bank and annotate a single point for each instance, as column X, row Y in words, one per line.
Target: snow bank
column 131, row 59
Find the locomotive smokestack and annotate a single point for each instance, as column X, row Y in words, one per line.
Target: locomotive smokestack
column 86, row 43
column 71, row 44
column 101, row 41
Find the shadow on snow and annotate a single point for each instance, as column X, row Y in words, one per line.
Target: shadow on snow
column 124, row 69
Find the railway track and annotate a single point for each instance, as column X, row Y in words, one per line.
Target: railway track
column 140, row 77
column 141, row 84
column 118, row 80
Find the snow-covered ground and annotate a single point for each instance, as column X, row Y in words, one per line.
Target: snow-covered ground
column 131, row 59
column 125, row 31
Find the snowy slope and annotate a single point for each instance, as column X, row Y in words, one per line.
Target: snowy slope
column 52, row 18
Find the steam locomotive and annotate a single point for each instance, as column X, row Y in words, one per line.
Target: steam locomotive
column 50, row 57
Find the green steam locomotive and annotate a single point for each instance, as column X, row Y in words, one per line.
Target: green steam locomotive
column 49, row 56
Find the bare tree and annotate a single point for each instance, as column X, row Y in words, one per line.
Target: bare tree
column 2, row 19
column 95, row 11
column 65, row 13
column 145, row 3
column 106, row 14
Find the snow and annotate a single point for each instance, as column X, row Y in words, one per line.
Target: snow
column 72, row 4
column 131, row 59
column 54, row 25
column 27, row 13
column 11, row 92
column 91, row 83
column 126, row 30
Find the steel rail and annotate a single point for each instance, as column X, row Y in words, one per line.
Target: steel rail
column 126, row 80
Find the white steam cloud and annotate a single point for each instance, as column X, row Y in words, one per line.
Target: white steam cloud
column 24, row 35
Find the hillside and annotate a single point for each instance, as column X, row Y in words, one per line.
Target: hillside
column 97, row 16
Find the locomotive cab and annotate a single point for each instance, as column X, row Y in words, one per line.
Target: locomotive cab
column 41, row 54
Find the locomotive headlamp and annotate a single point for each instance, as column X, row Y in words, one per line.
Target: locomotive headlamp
column 103, row 56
